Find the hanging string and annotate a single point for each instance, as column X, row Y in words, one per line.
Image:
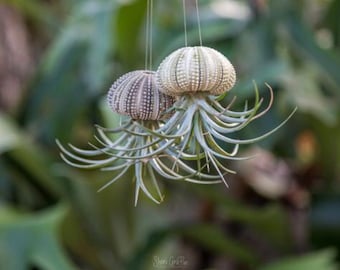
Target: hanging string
column 185, row 23
column 147, row 38
column 148, row 34
column 198, row 22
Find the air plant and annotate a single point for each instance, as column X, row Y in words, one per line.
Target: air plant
column 136, row 95
column 200, row 77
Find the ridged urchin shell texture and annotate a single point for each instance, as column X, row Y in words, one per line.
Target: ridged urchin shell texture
column 195, row 69
column 136, row 94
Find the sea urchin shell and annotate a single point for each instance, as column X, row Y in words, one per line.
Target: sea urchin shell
column 136, row 94
column 195, row 69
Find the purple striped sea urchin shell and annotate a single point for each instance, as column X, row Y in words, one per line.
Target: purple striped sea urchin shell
column 136, row 94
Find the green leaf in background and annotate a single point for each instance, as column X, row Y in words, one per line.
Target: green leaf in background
column 32, row 239
column 129, row 23
column 9, row 137
column 270, row 222
column 332, row 21
column 302, row 42
column 25, row 154
column 100, row 39
column 207, row 236
column 38, row 12
column 110, row 119
column 304, row 91
column 324, row 221
column 214, row 239
column 321, row 260
column 213, row 30
column 269, row 72
column 74, row 70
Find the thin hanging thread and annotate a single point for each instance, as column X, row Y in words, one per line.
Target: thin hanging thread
column 150, row 33
column 147, row 34
column 198, row 22
column 148, row 38
column 185, row 24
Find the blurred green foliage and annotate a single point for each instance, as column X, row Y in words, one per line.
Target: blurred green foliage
column 50, row 214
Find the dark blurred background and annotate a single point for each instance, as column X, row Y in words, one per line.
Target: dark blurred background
column 282, row 210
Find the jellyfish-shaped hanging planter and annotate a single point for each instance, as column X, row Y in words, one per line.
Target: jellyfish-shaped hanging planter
column 199, row 77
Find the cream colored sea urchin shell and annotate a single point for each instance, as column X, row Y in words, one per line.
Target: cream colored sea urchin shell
column 136, row 94
column 195, row 69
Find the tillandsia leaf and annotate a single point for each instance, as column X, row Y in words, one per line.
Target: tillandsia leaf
column 154, row 181
column 139, row 168
column 115, row 130
column 215, row 121
column 258, row 102
column 162, row 129
column 190, row 170
column 215, row 164
column 178, row 168
column 130, row 155
column 86, row 152
column 103, row 139
column 174, row 151
column 215, row 146
column 106, row 141
column 170, row 174
column 219, row 134
column 118, row 176
column 180, row 126
column 220, row 166
column 131, row 147
column 119, row 166
column 108, row 150
column 183, row 147
column 271, row 100
column 223, row 115
column 85, row 163
column 135, row 148
column 199, row 136
column 166, row 172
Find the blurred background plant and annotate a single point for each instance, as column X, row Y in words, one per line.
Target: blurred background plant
column 57, row 61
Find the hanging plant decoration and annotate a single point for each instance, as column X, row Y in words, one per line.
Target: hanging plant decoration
column 196, row 75
column 174, row 125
